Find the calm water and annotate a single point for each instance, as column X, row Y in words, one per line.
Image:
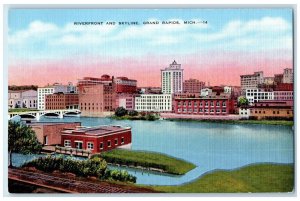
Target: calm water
column 209, row 146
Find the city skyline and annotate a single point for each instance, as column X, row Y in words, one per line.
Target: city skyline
column 43, row 43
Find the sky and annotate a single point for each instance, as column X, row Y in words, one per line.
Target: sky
column 45, row 46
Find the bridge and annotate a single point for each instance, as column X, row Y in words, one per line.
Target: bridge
column 37, row 114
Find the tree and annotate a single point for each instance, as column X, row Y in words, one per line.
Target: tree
column 21, row 139
column 133, row 113
column 120, row 111
column 243, row 101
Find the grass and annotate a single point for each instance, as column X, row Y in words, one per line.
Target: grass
column 265, row 122
column 21, row 110
column 254, row 178
column 145, row 159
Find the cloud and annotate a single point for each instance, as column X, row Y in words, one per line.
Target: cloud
column 245, row 33
column 48, row 40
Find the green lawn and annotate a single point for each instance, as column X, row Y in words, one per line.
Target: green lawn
column 267, row 122
column 253, row 178
column 148, row 160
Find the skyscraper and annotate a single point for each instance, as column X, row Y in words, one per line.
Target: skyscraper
column 172, row 79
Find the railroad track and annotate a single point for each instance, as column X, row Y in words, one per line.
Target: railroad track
column 63, row 184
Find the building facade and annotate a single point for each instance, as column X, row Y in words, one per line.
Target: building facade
column 153, row 103
column 172, row 79
column 97, row 139
column 125, row 85
column 288, row 75
column 284, row 95
column 272, row 110
column 97, row 96
column 22, row 99
column 255, row 95
column 59, row 101
column 204, row 106
column 193, row 86
column 251, row 81
column 49, row 133
column 51, row 89
column 126, row 101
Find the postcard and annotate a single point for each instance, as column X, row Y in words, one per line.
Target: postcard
column 151, row 101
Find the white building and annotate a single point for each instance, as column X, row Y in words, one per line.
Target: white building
column 22, row 99
column 251, row 81
column 228, row 90
column 172, row 79
column 42, row 91
column 244, row 113
column 255, row 95
column 205, row 92
column 288, row 75
column 153, row 103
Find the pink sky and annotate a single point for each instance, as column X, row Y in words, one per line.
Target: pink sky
column 213, row 67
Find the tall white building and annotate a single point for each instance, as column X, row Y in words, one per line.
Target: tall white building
column 288, row 75
column 153, row 103
column 251, row 81
column 172, row 79
column 41, row 92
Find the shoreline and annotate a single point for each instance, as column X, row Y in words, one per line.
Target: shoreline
column 239, row 121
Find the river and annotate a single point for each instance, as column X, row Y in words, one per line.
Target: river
column 210, row 146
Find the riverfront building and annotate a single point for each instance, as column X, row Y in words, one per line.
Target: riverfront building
column 51, row 89
column 97, row 96
column 153, row 103
column 126, row 101
column 49, row 133
column 214, row 105
column 97, row 139
column 255, row 95
column 172, row 79
column 22, row 99
column 58, row 101
column 272, row 110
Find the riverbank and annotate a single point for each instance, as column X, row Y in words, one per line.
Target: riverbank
column 139, row 117
column 256, row 178
column 147, row 160
column 264, row 122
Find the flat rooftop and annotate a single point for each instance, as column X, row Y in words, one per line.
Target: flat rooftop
column 97, row 130
column 49, row 123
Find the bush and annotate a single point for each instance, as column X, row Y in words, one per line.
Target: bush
column 93, row 167
column 120, row 112
column 133, row 113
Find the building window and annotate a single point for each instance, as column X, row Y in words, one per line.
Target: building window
column 122, row 140
column 108, row 143
column 90, row 145
column 273, row 112
column 116, row 141
column 67, row 143
column 101, row 145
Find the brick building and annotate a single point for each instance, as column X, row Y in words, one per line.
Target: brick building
column 272, row 110
column 193, row 86
column 97, row 139
column 97, row 96
column 59, row 101
column 218, row 105
column 49, row 133
column 126, row 101
column 125, row 85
